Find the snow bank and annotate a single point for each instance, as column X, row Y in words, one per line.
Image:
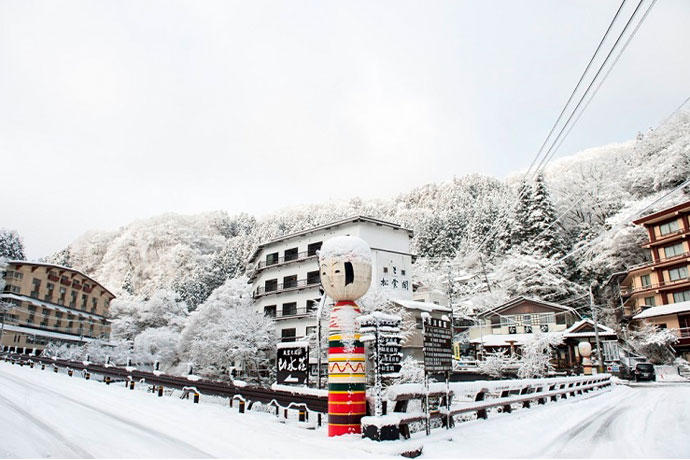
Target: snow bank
column 348, row 248
column 302, row 344
column 300, row 390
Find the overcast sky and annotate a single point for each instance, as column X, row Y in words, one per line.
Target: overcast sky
column 119, row 110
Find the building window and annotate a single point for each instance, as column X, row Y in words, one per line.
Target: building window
column 9, row 274
column 94, row 303
column 669, row 227
column 289, row 309
column 313, row 277
column 73, row 302
column 681, row 296
column 646, row 280
column 678, row 273
column 84, row 299
column 671, row 251
column 312, row 248
column 288, row 335
column 402, row 272
column 311, row 305
column 272, row 259
column 270, row 311
column 49, row 294
column 291, row 254
column 310, row 330
column 290, row 282
column 63, row 292
column 385, row 269
column 18, row 275
column 650, row 301
column 271, row 285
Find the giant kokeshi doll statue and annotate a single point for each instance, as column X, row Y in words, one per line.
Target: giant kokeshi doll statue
column 345, row 267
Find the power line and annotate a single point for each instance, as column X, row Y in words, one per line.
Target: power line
column 551, row 152
column 560, row 116
column 577, row 86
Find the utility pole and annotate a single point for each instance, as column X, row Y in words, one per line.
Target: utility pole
column 319, row 312
column 486, row 278
column 596, row 330
column 3, row 310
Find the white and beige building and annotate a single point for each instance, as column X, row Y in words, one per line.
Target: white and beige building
column 50, row 303
column 285, row 273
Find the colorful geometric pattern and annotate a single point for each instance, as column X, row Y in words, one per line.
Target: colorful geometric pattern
column 346, row 375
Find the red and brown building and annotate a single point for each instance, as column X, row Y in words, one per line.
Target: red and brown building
column 659, row 291
column 50, row 303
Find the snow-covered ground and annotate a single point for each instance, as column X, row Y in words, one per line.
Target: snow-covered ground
column 43, row 414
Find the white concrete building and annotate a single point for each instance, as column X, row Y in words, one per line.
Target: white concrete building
column 285, row 273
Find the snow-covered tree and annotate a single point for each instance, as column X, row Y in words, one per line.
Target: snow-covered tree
column 411, row 371
column 496, row 364
column 654, row 343
column 157, row 344
column 541, row 221
column 536, row 353
column 11, row 245
column 536, row 276
column 226, row 331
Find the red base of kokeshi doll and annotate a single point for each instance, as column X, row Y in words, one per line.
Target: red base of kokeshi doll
column 346, row 371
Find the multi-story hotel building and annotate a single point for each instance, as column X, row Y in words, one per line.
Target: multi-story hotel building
column 659, row 291
column 285, row 273
column 49, row 303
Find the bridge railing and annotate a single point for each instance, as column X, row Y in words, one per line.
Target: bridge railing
column 467, row 398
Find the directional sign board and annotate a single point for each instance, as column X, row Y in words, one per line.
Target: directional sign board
column 438, row 345
column 384, row 329
column 293, row 365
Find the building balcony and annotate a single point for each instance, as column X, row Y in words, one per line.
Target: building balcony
column 630, row 290
column 279, row 288
column 661, row 262
column 53, row 278
column 262, row 265
column 668, row 238
column 295, row 313
column 76, row 285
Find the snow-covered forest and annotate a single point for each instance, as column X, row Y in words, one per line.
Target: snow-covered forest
column 180, row 278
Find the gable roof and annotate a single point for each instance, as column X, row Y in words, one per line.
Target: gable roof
column 576, row 330
column 522, row 299
column 353, row 219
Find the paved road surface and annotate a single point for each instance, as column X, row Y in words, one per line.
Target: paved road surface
column 49, row 415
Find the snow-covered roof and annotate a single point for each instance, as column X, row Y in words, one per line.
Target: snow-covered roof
column 42, row 303
column 60, row 267
column 423, row 306
column 297, row 344
column 520, row 299
column 572, row 330
column 663, row 310
column 366, row 219
column 49, row 334
column 501, row 340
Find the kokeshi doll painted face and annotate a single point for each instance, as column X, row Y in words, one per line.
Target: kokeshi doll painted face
column 345, row 266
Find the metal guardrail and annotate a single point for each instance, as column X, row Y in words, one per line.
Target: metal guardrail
column 251, row 394
column 478, row 397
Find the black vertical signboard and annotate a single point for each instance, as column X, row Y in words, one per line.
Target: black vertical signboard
column 293, row 365
column 438, row 346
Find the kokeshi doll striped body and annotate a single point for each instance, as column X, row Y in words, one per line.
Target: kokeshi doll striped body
column 346, row 371
column 345, row 268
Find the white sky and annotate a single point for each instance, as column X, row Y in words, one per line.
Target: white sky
column 113, row 111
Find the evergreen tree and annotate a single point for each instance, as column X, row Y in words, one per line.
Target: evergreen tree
column 11, row 245
column 541, row 221
column 521, row 231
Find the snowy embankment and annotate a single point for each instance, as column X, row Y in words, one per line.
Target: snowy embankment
column 44, row 414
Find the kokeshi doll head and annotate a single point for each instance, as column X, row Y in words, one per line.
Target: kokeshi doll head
column 345, row 267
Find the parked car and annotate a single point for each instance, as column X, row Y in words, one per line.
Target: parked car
column 638, row 372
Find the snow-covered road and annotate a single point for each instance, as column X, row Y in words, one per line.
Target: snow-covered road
column 43, row 414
